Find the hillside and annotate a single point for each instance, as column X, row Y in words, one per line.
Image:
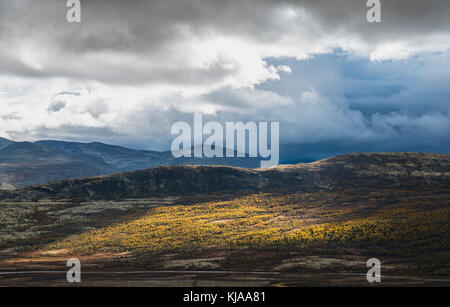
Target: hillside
column 121, row 158
column 4, row 142
column 25, row 163
column 380, row 170
column 292, row 224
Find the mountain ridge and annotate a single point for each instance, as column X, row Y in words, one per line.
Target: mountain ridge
column 355, row 170
column 27, row 163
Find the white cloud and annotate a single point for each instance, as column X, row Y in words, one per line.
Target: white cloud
column 128, row 61
column 285, row 69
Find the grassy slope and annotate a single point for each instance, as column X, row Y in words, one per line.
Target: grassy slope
column 411, row 226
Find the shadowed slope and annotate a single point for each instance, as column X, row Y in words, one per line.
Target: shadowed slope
column 380, row 170
column 25, row 163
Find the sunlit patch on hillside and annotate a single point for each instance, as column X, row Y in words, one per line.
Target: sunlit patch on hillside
column 298, row 222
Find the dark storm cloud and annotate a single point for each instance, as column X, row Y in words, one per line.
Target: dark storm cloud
column 145, row 39
column 400, row 18
column 365, row 106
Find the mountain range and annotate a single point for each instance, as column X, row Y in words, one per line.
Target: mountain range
column 28, row 163
column 58, row 166
column 353, row 171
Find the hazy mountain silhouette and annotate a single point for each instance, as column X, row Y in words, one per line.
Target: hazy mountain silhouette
column 26, row 163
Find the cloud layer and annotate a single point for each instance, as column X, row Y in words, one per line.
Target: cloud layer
column 132, row 68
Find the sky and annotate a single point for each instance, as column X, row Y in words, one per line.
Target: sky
column 130, row 69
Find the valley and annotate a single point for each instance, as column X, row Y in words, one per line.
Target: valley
column 305, row 224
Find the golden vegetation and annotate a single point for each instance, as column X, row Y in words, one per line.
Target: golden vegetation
column 295, row 221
